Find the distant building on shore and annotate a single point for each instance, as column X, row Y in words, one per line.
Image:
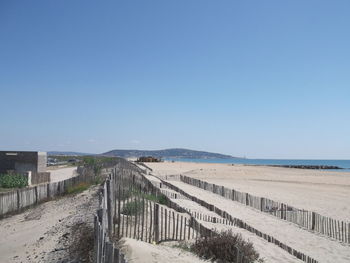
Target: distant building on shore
column 148, row 159
column 21, row 162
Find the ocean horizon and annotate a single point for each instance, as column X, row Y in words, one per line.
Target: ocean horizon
column 344, row 164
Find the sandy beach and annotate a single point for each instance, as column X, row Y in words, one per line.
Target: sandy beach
column 324, row 192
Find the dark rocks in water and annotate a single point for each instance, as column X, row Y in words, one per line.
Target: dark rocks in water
column 314, row 167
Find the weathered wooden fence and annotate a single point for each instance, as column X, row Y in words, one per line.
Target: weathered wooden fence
column 137, row 214
column 312, row 221
column 105, row 250
column 241, row 224
column 17, row 200
column 132, row 209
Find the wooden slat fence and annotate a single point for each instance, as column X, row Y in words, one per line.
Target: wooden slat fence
column 104, row 249
column 241, row 224
column 136, row 215
column 172, row 195
column 311, row 221
column 130, row 211
column 17, row 200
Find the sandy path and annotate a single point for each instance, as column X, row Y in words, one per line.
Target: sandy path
column 62, row 174
column 318, row 247
column 141, row 252
column 325, row 192
column 41, row 234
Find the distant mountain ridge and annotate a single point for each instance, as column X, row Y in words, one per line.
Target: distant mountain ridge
column 68, row 153
column 168, row 153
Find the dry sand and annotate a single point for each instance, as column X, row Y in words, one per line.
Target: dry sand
column 325, row 192
column 42, row 234
column 142, row 252
column 319, row 247
column 268, row 251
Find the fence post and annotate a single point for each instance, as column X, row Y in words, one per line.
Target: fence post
column 116, row 255
column 18, row 199
column 313, row 221
column 281, row 208
column 36, row 194
column 262, row 204
column 109, row 252
column 156, row 223
column 48, row 190
column 109, row 208
column 96, row 238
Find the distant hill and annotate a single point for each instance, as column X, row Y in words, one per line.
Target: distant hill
column 168, row 153
column 68, row 153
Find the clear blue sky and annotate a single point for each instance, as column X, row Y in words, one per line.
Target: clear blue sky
column 264, row 79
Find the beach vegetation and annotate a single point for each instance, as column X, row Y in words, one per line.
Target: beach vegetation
column 155, row 198
column 160, row 199
column 13, row 181
column 132, row 208
column 224, row 247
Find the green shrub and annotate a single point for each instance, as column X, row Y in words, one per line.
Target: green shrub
column 161, row 199
column 150, row 197
column 13, row 181
column 223, row 248
column 132, row 208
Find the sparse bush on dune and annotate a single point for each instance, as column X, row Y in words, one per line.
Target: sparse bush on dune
column 132, row 208
column 223, row 248
column 160, row 199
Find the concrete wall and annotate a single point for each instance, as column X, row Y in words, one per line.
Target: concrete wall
column 42, row 162
column 21, row 162
column 22, row 168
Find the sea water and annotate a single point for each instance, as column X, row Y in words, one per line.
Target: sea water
column 345, row 164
